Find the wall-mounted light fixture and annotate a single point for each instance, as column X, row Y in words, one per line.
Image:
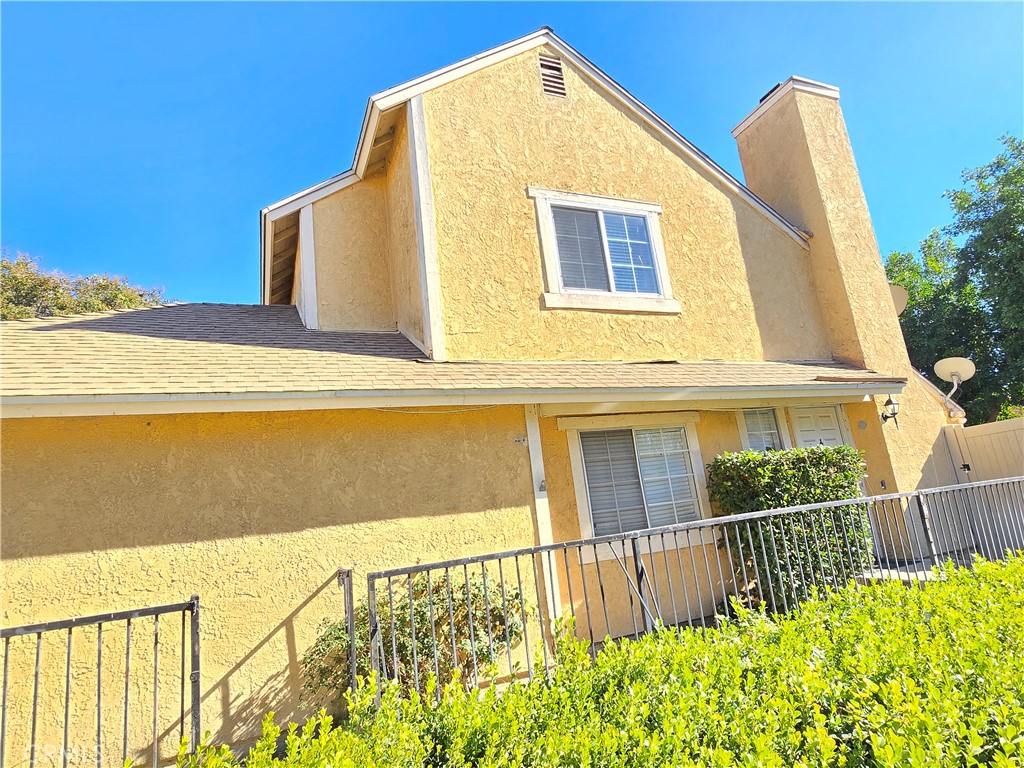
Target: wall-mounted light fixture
column 890, row 410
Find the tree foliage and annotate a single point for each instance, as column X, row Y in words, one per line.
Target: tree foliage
column 968, row 300
column 27, row 290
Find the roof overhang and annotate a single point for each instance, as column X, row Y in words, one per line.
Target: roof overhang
column 13, row 407
column 381, row 104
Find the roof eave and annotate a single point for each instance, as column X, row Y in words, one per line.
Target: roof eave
column 25, row 406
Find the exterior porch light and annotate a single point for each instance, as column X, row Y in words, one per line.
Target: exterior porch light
column 890, row 410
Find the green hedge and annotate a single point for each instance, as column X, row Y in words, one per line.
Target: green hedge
column 779, row 561
column 878, row 676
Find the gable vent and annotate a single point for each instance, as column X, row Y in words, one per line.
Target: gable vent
column 551, row 76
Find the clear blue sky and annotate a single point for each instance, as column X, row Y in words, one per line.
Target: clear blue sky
column 143, row 139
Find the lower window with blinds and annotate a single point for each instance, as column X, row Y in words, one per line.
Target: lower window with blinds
column 639, row 478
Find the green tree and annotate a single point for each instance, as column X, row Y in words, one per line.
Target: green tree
column 968, row 300
column 946, row 317
column 990, row 217
column 27, row 290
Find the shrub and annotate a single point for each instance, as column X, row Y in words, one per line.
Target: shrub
column 778, row 561
column 495, row 610
column 873, row 676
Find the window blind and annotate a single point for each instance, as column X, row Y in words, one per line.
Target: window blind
column 580, row 252
column 638, row 479
column 762, row 429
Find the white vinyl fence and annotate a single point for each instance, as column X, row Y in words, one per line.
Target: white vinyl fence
column 986, row 451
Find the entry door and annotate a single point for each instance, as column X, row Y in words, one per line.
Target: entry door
column 817, row 426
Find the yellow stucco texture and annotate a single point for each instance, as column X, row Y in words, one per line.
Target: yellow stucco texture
column 255, row 513
column 403, row 250
column 694, row 579
column 797, row 156
column 351, row 259
column 744, row 285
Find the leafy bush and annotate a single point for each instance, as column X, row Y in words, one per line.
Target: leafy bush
column 873, row 676
column 490, row 613
column 778, row 561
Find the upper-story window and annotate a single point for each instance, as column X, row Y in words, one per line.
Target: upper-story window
column 602, row 253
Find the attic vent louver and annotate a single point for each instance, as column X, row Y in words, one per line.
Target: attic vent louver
column 551, row 76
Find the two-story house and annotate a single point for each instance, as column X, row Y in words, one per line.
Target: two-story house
column 530, row 312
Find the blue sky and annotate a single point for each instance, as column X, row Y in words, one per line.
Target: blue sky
column 143, row 139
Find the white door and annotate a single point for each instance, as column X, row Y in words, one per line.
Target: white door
column 817, row 426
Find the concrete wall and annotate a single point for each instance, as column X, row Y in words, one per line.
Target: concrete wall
column 352, row 270
column 255, row 513
column 744, row 285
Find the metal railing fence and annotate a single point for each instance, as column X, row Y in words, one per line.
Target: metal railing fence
column 493, row 618
column 59, row 677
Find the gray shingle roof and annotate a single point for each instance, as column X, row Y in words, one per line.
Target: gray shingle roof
column 230, row 348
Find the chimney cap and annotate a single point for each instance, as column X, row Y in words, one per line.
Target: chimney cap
column 794, row 83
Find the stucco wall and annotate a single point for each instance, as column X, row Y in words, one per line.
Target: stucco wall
column 744, row 285
column 255, row 513
column 686, row 580
column 798, row 157
column 401, row 223
column 352, row 272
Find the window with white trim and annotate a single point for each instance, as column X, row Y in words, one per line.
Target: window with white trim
column 602, row 253
column 762, row 430
column 639, row 478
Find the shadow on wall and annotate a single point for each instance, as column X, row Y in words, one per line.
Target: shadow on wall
column 236, row 719
column 108, row 483
column 786, row 306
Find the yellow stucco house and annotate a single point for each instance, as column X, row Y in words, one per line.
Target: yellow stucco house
column 525, row 278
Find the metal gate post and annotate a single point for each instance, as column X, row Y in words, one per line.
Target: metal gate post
column 345, row 581
column 638, row 565
column 922, row 508
column 371, row 618
column 194, row 677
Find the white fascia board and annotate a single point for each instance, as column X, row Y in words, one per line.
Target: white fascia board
column 309, row 195
column 794, row 83
column 296, row 202
column 218, row 402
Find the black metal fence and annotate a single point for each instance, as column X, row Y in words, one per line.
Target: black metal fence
column 492, row 618
column 73, row 693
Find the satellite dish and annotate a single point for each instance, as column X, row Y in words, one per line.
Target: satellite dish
column 899, row 298
column 954, row 369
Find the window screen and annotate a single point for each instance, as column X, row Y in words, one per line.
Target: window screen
column 638, row 479
column 629, row 249
column 762, row 430
column 590, row 243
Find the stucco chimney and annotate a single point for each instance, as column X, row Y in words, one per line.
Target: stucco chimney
column 797, row 157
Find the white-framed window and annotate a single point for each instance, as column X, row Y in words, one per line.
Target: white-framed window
column 602, row 253
column 635, row 472
column 761, row 430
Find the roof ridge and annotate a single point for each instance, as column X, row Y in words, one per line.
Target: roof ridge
column 97, row 313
